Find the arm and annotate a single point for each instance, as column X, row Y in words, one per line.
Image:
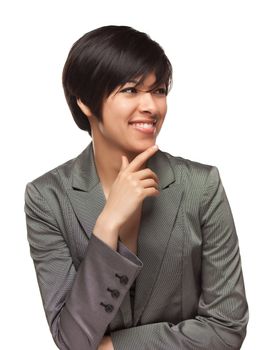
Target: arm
column 222, row 309
column 76, row 303
column 106, row 344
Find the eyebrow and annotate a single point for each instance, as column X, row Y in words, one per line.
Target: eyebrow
column 137, row 82
column 132, row 81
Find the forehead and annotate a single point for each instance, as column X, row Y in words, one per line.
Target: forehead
column 147, row 81
column 144, row 81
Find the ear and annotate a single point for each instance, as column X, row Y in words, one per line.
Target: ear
column 85, row 109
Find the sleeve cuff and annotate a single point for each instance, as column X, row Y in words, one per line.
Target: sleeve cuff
column 116, row 258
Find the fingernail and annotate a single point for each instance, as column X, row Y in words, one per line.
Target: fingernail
column 155, row 147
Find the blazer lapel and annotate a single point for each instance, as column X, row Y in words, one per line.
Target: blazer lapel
column 158, row 215
column 86, row 192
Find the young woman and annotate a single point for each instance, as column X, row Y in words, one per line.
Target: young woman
column 133, row 248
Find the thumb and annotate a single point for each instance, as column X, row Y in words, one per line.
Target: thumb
column 124, row 162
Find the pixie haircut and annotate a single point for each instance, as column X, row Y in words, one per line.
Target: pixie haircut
column 106, row 58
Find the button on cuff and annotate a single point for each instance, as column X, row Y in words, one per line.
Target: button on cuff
column 123, row 279
column 114, row 293
column 108, row 307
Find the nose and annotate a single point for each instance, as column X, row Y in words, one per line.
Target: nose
column 147, row 103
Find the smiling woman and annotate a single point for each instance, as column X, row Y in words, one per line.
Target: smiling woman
column 133, row 247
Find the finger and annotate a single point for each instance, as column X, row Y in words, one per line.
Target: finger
column 149, row 183
column 125, row 163
column 122, row 163
column 139, row 160
column 146, row 173
column 150, row 191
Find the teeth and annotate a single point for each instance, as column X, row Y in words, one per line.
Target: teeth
column 143, row 125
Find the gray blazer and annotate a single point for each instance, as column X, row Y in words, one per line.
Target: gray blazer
column 189, row 284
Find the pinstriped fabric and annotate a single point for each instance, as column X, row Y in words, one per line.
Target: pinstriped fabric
column 189, row 287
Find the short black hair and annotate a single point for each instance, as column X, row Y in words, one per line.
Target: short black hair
column 106, row 58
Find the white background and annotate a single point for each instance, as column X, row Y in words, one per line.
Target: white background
column 221, row 112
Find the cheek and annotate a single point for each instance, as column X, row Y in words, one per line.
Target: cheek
column 125, row 108
column 120, row 110
column 163, row 108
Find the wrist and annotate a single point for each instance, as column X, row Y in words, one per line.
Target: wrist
column 106, row 344
column 106, row 221
column 107, row 232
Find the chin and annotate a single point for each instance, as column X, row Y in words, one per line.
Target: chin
column 143, row 146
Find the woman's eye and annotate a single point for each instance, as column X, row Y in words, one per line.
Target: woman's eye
column 133, row 90
column 130, row 90
column 161, row 91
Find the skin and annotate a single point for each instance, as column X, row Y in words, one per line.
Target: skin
column 121, row 155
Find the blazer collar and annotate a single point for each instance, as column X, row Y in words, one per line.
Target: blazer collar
column 85, row 176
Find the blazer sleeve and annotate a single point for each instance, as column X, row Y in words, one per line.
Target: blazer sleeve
column 80, row 304
column 221, row 320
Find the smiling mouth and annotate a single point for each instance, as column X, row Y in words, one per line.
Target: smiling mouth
column 147, row 128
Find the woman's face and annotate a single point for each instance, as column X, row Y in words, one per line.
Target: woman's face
column 132, row 117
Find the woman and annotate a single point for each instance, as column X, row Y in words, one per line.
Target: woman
column 133, row 248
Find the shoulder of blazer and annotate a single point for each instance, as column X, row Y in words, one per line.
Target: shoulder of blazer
column 187, row 170
column 52, row 179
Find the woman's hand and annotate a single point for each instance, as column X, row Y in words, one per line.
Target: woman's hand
column 126, row 195
column 106, row 344
column 130, row 188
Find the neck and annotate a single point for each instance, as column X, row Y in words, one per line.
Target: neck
column 108, row 162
